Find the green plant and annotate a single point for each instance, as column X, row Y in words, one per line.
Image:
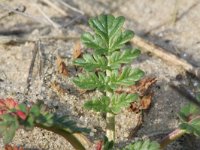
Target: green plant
column 14, row 116
column 108, row 67
column 189, row 124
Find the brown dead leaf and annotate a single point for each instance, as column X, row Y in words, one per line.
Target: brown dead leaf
column 62, row 68
column 9, row 147
column 145, row 102
column 143, row 86
column 56, row 87
column 134, row 107
column 76, row 51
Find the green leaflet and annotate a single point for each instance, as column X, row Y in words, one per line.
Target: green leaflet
column 8, row 126
column 60, row 122
column 112, row 104
column 90, row 81
column 143, row 145
column 108, row 35
column 127, row 77
column 100, row 104
column 117, row 58
column 119, row 101
column 192, row 127
column 190, row 119
column 92, row 62
column 187, row 111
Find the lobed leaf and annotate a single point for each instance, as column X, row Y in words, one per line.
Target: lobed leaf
column 119, row 101
column 90, row 81
column 189, row 115
column 112, row 104
column 92, row 62
column 68, row 125
column 127, row 77
column 8, row 126
column 108, row 35
column 143, row 145
column 100, row 104
column 94, row 42
column 192, row 127
column 117, row 58
column 188, row 111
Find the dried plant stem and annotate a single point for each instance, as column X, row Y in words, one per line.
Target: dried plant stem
column 163, row 54
column 20, row 8
column 51, row 22
column 70, row 7
column 18, row 40
column 72, row 138
column 55, row 7
column 10, row 9
column 174, row 135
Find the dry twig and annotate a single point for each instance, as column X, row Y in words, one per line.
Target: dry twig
column 163, row 54
column 50, row 3
column 70, row 7
column 30, row 73
column 55, row 25
column 18, row 40
column 37, row 19
column 20, row 8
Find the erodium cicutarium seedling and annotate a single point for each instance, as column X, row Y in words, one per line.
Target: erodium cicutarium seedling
column 108, row 67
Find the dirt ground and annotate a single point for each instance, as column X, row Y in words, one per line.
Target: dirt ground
column 173, row 25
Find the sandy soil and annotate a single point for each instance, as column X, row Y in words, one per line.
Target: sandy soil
column 173, row 25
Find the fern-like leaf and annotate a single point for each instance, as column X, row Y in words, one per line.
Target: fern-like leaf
column 108, row 35
column 120, row 101
column 190, row 119
column 90, row 81
column 188, row 111
column 117, row 58
column 112, row 104
column 92, row 62
column 100, row 104
column 127, row 77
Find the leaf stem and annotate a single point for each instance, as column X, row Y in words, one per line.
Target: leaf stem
column 110, row 118
column 110, row 126
column 174, row 135
column 72, row 138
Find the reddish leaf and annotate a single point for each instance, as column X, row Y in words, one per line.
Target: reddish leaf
column 99, row 145
column 9, row 147
column 21, row 114
column 10, row 103
column 7, row 104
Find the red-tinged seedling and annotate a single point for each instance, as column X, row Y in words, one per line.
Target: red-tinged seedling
column 14, row 116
